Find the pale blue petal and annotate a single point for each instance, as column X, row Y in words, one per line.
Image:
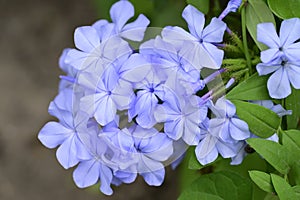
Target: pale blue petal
column 90, row 103
column 135, row 31
column 135, row 68
column 86, row 38
column 212, row 57
column 65, row 99
column 293, row 72
column 176, row 36
column 110, row 78
column 122, row 95
column 66, row 154
column 271, row 56
column 77, row 59
column 239, row 157
column 152, row 171
column 125, row 177
column 159, row 147
column 115, row 50
column 195, row 20
column 227, row 150
column 191, row 134
column 121, row 12
column 213, row 33
column 292, row 52
column 279, row 84
column 239, row 129
column 206, row 151
column 65, row 117
column 154, row 178
column 86, row 173
column 106, row 111
column 267, row 35
column 54, row 134
column 105, row 179
column 289, row 31
column 165, row 49
column 174, row 129
column 264, row 69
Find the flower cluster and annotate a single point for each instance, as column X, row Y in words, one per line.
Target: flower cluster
column 282, row 57
column 123, row 111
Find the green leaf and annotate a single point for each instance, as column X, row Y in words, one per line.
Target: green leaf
column 294, row 174
column 274, row 153
column 257, row 12
column 253, row 88
column 292, row 103
column 202, row 5
column 188, row 195
column 282, row 188
column 262, row 180
column 223, row 184
column 291, row 140
column 270, row 196
column 262, row 121
column 297, row 190
column 285, row 9
column 193, row 162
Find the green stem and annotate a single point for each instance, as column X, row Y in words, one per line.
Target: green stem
column 245, row 43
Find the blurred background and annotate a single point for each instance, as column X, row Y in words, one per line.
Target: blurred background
column 33, row 33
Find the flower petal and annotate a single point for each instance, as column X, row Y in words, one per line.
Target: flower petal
column 86, row 38
column 293, row 72
column 105, row 179
column 264, row 69
column 267, row 34
column 135, row 31
column 54, row 134
column 195, row 20
column 289, row 31
column 121, row 12
column 279, row 84
column 271, row 56
column 206, row 151
column 86, row 173
column 292, row 52
column 213, row 33
column 66, row 154
column 239, row 129
column 152, row 171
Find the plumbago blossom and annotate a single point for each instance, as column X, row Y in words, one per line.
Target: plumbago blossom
column 123, row 112
column 282, row 57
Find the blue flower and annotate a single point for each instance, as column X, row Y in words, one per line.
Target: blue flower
column 226, row 124
column 284, row 74
column 181, row 117
column 198, row 46
column 166, row 58
column 120, row 13
column 281, row 58
column 211, row 145
column 153, row 148
column 93, row 168
column 139, row 150
column 64, row 134
column 104, row 96
column 282, row 47
column 149, row 92
column 94, row 51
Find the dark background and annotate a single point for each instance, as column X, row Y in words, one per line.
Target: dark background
column 32, row 35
